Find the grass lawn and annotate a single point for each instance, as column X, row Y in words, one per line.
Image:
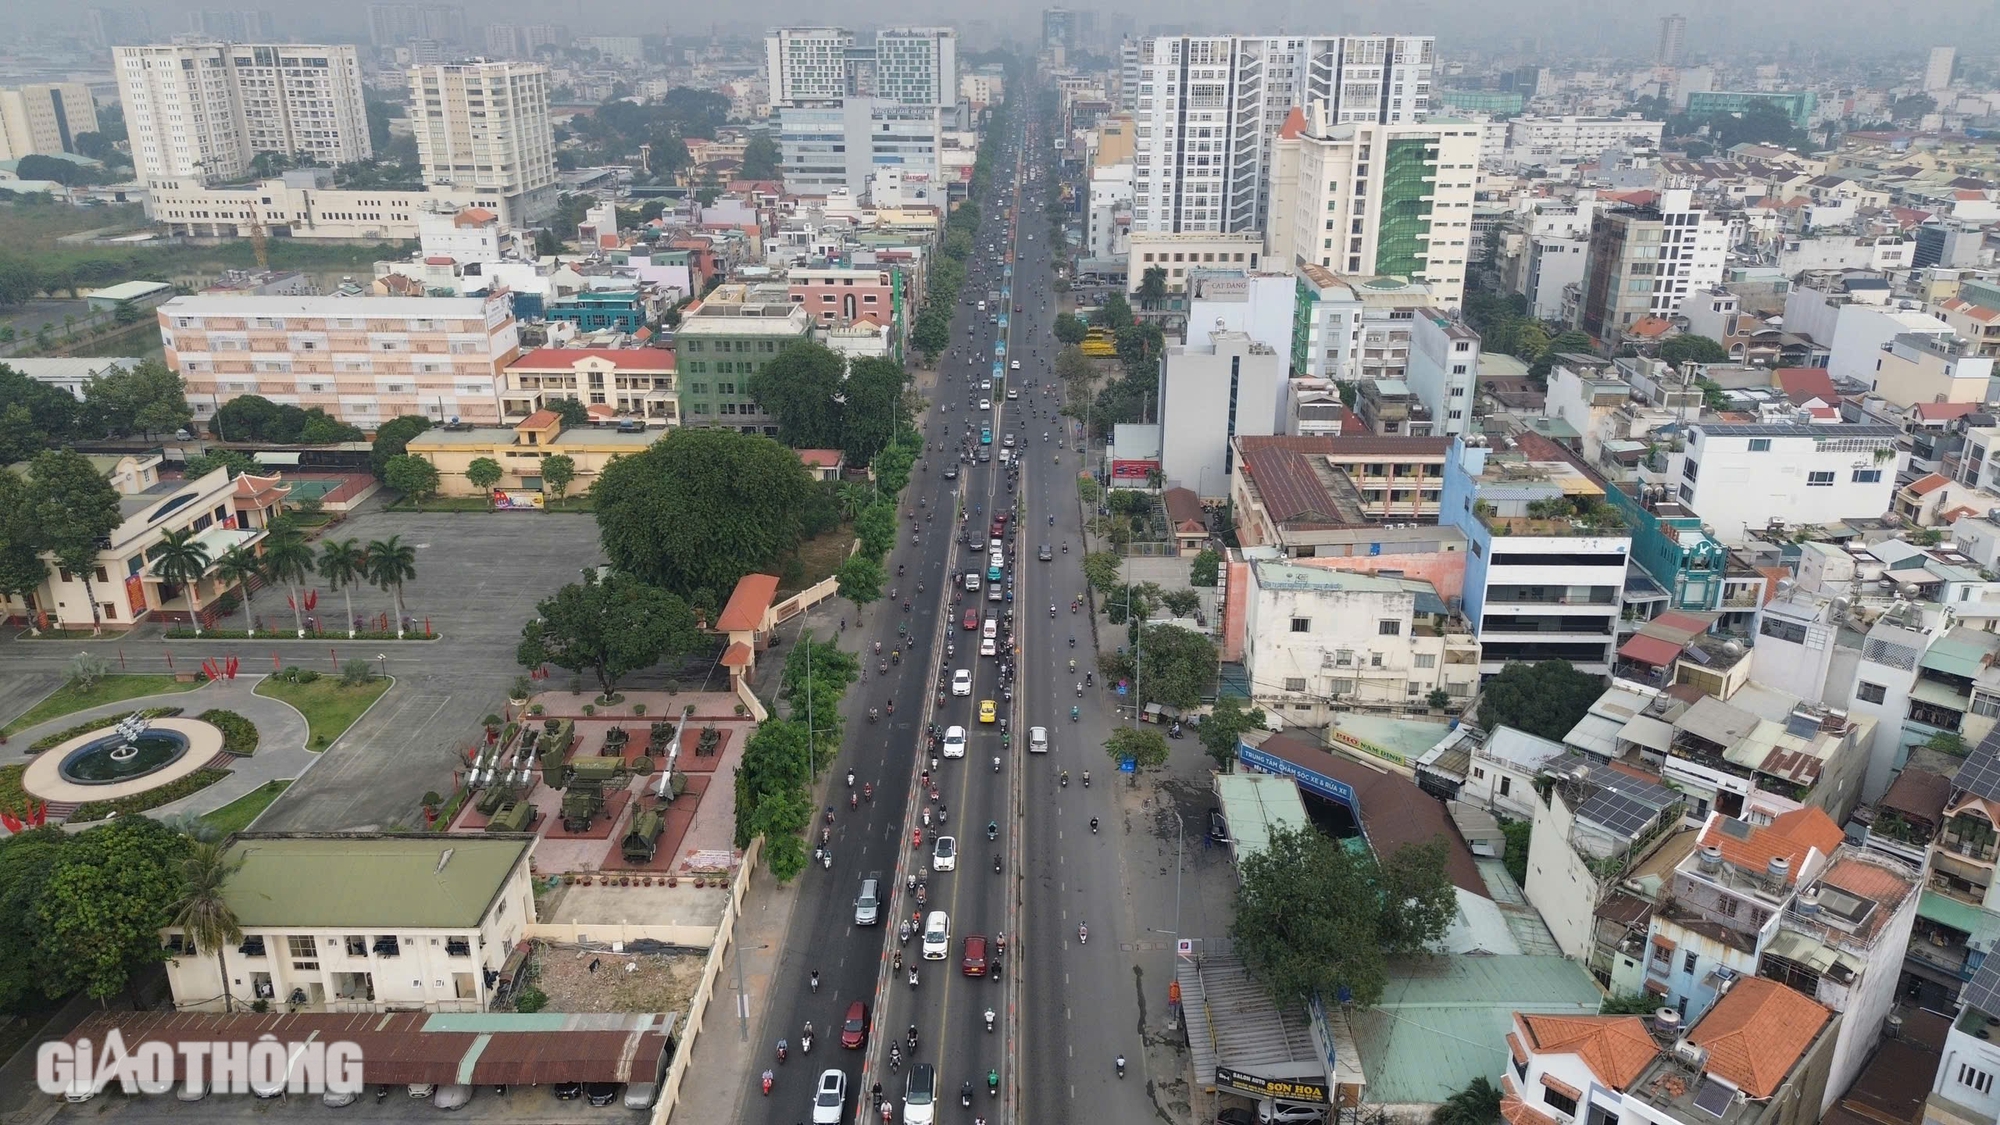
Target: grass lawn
column 111, row 689
column 822, row 555
column 237, row 815
column 328, row 707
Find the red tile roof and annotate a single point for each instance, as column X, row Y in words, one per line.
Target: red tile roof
column 540, row 420
column 1803, row 383
column 821, row 458
column 1757, row 1032
column 1791, row 835
column 1925, row 485
column 624, row 359
column 1295, row 124
column 1944, row 411
column 1656, row 651
column 1292, row 493
column 736, row 655
column 745, row 611
column 1517, row 1112
column 1615, row 1048
column 1650, row 326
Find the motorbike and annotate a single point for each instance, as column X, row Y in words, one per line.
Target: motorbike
column 992, row 830
column 826, row 861
column 769, row 1080
column 913, row 976
column 989, row 1020
column 1121, row 1066
column 903, row 933
column 996, row 764
column 1093, row 826
column 1082, row 934
column 1075, row 713
column 1086, row 779
column 996, row 863
column 806, row 1044
column 965, row 1096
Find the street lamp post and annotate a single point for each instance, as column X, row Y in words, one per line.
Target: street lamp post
column 382, row 660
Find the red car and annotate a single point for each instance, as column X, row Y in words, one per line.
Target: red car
column 972, row 618
column 854, row 1031
column 974, row 962
column 1001, row 518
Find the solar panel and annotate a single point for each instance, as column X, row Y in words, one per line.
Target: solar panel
column 1801, row 726
column 1713, row 1097
column 1617, row 812
column 1981, row 772
column 1983, row 993
column 1767, row 429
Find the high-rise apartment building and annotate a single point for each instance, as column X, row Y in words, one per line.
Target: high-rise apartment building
column 1643, row 261
column 522, row 41
column 829, row 145
column 206, row 109
column 1059, row 27
column 104, row 27
column 1360, row 198
column 485, row 126
column 392, row 25
column 906, row 65
column 44, row 118
column 250, row 25
column 1672, row 48
column 1937, row 70
column 1208, row 110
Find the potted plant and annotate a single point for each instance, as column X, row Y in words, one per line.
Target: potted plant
column 638, row 709
column 519, row 693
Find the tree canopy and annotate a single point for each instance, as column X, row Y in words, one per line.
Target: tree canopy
column 1175, row 666
column 1225, row 723
column 701, row 508
column 1689, row 348
column 609, row 628
column 1544, row 699
column 256, row 418
column 760, row 158
column 101, row 904
column 392, row 439
column 149, row 399
column 1315, row 918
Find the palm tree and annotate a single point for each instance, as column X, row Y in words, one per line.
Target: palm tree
column 852, row 498
column 182, row 561
column 289, row 559
column 391, row 562
column 202, row 913
column 343, row 563
column 1477, row 1104
column 238, row 567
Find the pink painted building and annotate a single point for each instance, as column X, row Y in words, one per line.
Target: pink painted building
column 364, row 360
column 841, row 296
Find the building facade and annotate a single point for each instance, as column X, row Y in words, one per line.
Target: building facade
column 1183, row 254
column 44, row 117
column 1413, row 219
column 205, row 110
column 1349, row 328
column 831, row 146
column 1443, row 370
column 634, row 382
column 1208, row 110
column 1644, row 261
column 297, row 206
column 724, row 340
column 1737, row 477
column 1550, row 141
column 1209, row 394
column 484, row 127
column 364, row 360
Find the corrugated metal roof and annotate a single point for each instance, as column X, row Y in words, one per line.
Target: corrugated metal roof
column 1254, row 804
column 1232, row 1020
column 1291, row 492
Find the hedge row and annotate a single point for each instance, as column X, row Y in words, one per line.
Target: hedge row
column 151, row 799
column 239, row 735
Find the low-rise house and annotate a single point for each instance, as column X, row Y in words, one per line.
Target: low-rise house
column 520, row 450
column 635, row 382
column 361, row 923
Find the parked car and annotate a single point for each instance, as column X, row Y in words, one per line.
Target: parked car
column 604, row 1093
column 454, row 1096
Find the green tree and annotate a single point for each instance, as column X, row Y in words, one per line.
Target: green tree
column 202, row 464
column 392, row 440
column 1153, row 287
column 874, row 410
column 1689, row 348
column 1101, row 570
column 700, row 508
column 1206, row 568
column 1146, row 747
column 75, row 508
column 1417, row 897
column 238, row 567
column 876, row 528
column 1175, row 666
column 572, row 411
column 610, row 629
column 483, row 473
column 932, row 333
column 1073, row 367
column 1226, row 723
column 344, row 565
column 1571, row 341
column 1635, row 1004
column 1307, row 914
column 860, row 580
column 771, row 797
column 391, row 563
column 1069, row 329
column 26, row 858
column 1544, row 699
column 804, row 389
column 558, row 473
column 1114, row 314
column 148, row 399
column 1477, row 1104
column 414, row 477
column 202, row 913
column 181, row 559
column 103, row 904
column 760, row 158
column 288, row 558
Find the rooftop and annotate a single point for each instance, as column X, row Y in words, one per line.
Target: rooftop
column 1256, row 804
column 1791, row 836
column 1616, row 1048
column 651, row 360
column 258, row 305
column 1757, row 1032
column 423, row 882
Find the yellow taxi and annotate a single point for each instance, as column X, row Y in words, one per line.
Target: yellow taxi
column 987, row 712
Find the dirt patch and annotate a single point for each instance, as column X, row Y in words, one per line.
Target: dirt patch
column 622, row 982
column 821, row 556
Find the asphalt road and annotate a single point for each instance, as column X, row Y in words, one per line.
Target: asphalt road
column 1064, row 1009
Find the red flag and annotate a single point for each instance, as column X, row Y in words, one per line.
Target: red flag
column 12, row 822
column 38, row 815
column 312, row 600
column 233, row 664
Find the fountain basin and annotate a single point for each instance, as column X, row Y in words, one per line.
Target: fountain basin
column 83, row 769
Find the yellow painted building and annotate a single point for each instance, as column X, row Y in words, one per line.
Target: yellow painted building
column 520, row 449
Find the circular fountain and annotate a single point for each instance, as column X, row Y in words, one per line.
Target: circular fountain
column 133, row 749
column 134, row 756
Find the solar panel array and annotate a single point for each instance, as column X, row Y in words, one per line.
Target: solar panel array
column 1788, row 429
column 1619, row 813
column 1981, row 772
column 1983, row 992
column 1713, row 1097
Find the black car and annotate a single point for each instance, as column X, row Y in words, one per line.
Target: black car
column 568, row 1091
column 1218, row 828
column 604, row 1093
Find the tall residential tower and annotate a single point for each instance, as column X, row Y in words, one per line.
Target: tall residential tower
column 485, row 125
column 206, row 109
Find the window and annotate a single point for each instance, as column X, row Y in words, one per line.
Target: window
column 1560, row 1102
column 1426, row 660
column 253, row 945
column 1727, row 907
column 1870, row 693
column 1663, row 954
column 1389, row 628
column 1866, row 476
column 1302, row 624
column 1760, row 445
column 303, row 950
column 388, row 946
column 1820, row 479
column 457, row 947
column 1295, row 683
column 357, row 946
column 1975, row 1078
column 1687, row 963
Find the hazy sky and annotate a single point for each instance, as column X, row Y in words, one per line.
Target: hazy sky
column 1559, row 26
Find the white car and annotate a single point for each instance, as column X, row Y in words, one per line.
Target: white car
column 972, row 583
column 937, row 936
column 1008, row 441
column 988, row 647
column 961, row 682
column 831, row 1099
column 1014, row 365
column 944, row 855
column 986, row 384
column 985, row 404
column 1038, row 740
column 954, row 742
column 1013, row 393
column 1272, row 1112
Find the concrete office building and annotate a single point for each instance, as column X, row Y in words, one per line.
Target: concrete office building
column 839, row 144
column 1412, row 218
column 484, row 126
column 1644, row 261
column 1443, row 370
column 904, row 65
column 724, row 340
column 1350, row 328
column 1672, row 48
column 44, row 118
column 1737, row 477
column 363, row 360
column 207, row 109
column 1547, row 141
column 303, row 204
column 1209, row 394
column 1208, row 111
column 1937, row 69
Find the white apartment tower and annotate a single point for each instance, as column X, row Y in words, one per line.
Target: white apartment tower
column 807, row 63
column 905, row 65
column 1208, row 110
column 917, row 66
column 1360, row 198
column 1672, row 49
column 1937, row 69
column 44, row 118
column 206, row 109
column 485, row 126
